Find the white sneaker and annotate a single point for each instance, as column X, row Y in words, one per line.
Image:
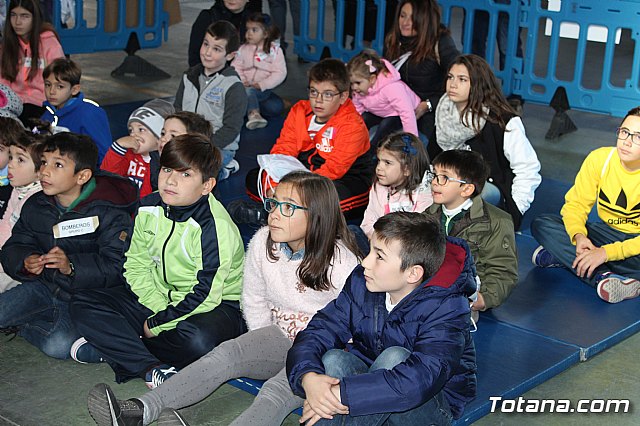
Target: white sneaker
column 256, row 121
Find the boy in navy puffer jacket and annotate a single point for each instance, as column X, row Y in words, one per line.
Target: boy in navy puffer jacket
column 396, row 343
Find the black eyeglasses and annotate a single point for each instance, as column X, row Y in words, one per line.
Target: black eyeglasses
column 326, row 96
column 286, row 209
column 442, row 180
column 623, row 134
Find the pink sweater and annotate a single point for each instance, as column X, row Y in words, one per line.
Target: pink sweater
column 381, row 202
column 388, row 97
column 32, row 91
column 268, row 69
column 272, row 295
column 19, row 196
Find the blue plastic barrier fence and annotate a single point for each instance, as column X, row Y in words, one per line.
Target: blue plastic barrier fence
column 598, row 65
column 84, row 39
column 314, row 47
column 616, row 90
column 496, row 11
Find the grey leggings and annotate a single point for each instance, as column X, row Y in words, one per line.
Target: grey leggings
column 259, row 354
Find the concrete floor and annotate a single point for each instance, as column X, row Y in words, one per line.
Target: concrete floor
column 608, row 375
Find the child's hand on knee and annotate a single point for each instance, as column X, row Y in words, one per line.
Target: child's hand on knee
column 321, row 397
column 583, row 243
column 587, row 262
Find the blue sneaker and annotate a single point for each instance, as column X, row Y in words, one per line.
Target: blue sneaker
column 542, row 258
column 158, row 375
column 85, row 353
column 614, row 288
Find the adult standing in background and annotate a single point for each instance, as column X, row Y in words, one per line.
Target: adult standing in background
column 421, row 49
column 234, row 11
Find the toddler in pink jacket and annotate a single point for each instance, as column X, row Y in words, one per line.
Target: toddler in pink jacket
column 261, row 66
column 377, row 89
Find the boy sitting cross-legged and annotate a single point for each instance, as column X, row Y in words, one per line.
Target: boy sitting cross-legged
column 214, row 89
column 456, row 185
column 327, row 135
column 69, row 239
column 605, row 253
column 67, row 108
column 396, row 344
column 183, row 271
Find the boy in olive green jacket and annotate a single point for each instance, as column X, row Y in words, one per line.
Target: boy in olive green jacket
column 456, row 184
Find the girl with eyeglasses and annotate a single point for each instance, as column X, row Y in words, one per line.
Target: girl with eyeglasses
column 474, row 114
column 605, row 253
column 293, row 268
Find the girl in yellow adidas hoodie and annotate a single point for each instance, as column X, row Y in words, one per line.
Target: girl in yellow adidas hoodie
column 606, row 253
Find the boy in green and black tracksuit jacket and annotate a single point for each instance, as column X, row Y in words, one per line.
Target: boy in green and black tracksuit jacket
column 183, row 270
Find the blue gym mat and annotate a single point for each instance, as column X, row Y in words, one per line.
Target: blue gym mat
column 550, row 322
column 556, row 304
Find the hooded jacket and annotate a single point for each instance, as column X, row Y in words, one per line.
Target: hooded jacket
column 96, row 254
column 339, row 147
column 83, row 116
column 432, row 322
column 253, row 65
column 32, row 91
column 388, row 97
column 183, row 261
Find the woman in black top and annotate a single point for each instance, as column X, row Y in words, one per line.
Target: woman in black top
column 422, row 50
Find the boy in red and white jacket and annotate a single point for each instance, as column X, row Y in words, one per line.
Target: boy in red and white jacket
column 130, row 155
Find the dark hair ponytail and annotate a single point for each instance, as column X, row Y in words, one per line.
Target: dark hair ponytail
column 270, row 28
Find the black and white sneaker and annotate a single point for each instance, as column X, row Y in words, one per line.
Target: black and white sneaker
column 106, row 410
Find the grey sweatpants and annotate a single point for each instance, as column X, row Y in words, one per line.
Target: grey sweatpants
column 259, row 354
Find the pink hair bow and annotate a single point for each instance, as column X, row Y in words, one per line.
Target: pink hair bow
column 369, row 63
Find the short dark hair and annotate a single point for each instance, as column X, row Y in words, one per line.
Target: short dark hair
column 633, row 111
column 192, row 151
column 11, row 129
column 63, row 69
column 195, row 123
column 470, row 166
column 79, row 148
column 31, row 144
column 332, row 71
column 225, row 30
column 421, row 239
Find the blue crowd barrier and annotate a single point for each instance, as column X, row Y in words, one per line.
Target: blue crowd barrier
column 315, row 47
column 543, row 69
column 80, row 38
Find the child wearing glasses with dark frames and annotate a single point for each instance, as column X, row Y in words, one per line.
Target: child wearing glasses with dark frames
column 293, row 268
column 328, row 136
column 456, row 184
column 604, row 254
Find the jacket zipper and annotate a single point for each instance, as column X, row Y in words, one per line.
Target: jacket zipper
column 164, row 247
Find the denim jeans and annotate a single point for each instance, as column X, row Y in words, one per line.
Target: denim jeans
column 339, row 364
column 361, row 239
column 268, row 103
column 491, row 194
column 550, row 232
column 43, row 319
column 228, row 154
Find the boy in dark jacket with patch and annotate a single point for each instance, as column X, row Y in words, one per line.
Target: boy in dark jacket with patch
column 456, row 186
column 396, row 344
column 69, row 238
